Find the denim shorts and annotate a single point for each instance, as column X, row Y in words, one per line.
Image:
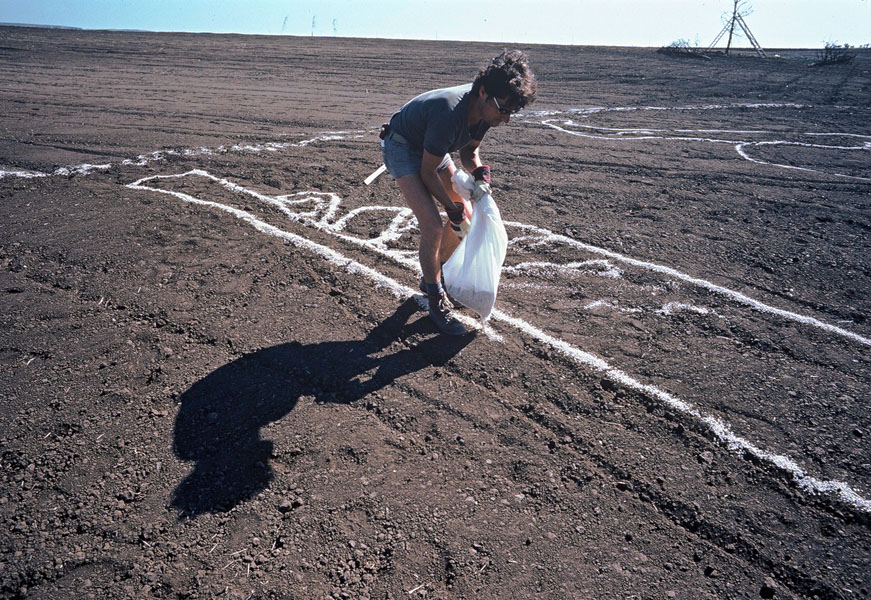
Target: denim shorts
column 401, row 159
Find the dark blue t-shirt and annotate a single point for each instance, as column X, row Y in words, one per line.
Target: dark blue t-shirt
column 437, row 121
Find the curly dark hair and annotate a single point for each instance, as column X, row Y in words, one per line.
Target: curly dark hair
column 508, row 75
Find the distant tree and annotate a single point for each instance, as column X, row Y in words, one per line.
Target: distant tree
column 740, row 9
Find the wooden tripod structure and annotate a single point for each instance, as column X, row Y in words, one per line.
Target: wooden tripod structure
column 730, row 27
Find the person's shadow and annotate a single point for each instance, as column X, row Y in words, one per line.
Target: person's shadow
column 218, row 424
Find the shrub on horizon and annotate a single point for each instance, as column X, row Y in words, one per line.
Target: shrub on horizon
column 682, row 48
column 834, row 54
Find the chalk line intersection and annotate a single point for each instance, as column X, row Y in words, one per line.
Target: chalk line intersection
column 562, row 124
column 326, row 207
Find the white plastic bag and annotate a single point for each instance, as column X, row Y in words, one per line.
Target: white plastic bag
column 471, row 275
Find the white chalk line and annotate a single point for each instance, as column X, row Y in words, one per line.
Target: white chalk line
column 591, row 110
column 395, row 231
column 325, row 207
column 160, row 155
column 721, row 431
column 642, row 134
column 83, row 169
column 670, row 308
column 737, row 144
column 549, row 236
column 320, row 210
column 739, row 148
column 332, row 256
column 601, row 267
column 611, row 305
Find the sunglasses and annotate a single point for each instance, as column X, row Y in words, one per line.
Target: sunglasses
column 503, row 110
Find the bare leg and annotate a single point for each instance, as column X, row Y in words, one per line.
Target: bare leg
column 429, row 222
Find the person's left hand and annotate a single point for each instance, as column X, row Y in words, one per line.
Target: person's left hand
column 481, row 188
column 482, row 183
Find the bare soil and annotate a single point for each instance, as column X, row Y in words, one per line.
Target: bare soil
column 213, row 386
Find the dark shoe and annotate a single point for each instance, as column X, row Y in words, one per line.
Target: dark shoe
column 440, row 313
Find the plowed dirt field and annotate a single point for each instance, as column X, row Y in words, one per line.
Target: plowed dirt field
column 216, row 379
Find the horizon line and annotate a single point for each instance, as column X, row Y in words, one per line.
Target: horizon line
column 398, row 39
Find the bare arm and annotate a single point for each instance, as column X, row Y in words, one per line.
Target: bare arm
column 433, row 182
column 469, row 156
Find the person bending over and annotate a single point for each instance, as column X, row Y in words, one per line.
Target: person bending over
column 417, row 143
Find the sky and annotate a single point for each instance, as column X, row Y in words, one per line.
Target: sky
column 653, row 23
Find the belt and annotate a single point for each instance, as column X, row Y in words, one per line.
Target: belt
column 396, row 136
column 387, row 131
